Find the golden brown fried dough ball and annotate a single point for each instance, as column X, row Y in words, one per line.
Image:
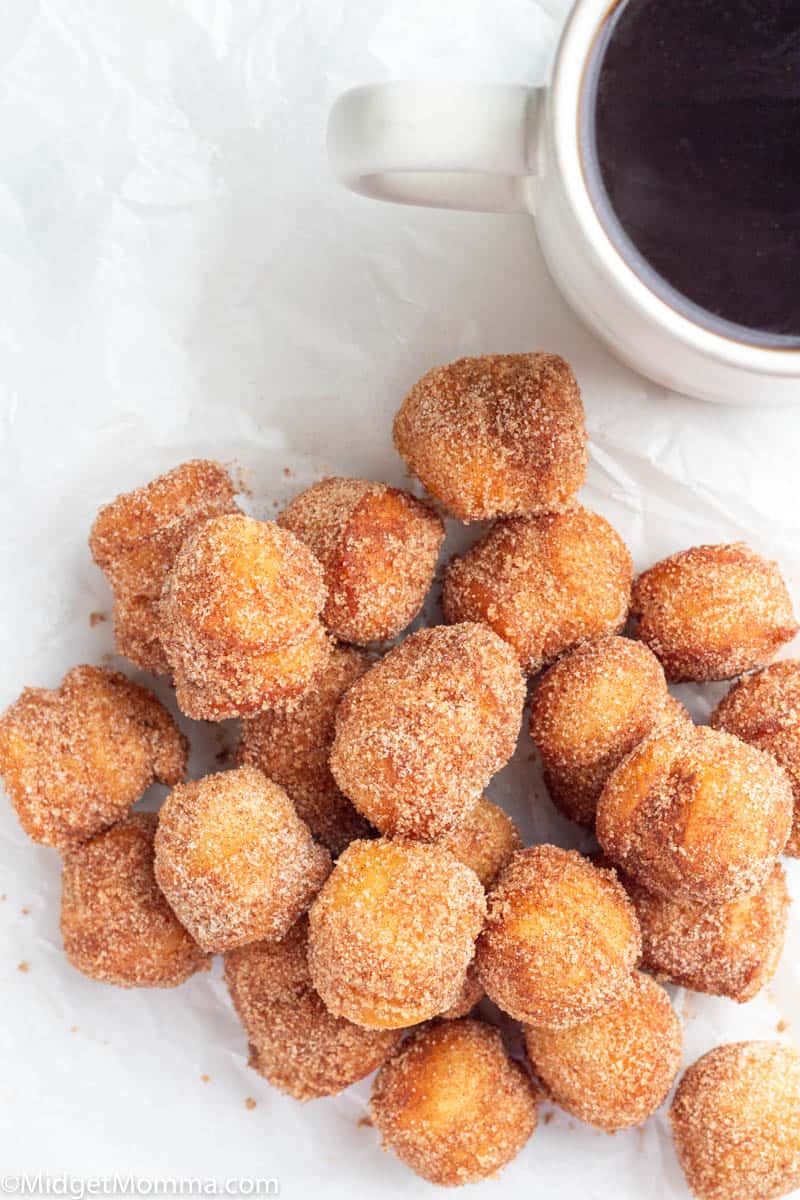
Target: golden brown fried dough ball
column 694, row 814
column 736, row 1122
column 615, row 1069
column 75, row 759
column 588, row 712
column 291, row 744
column 452, row 1105
column 422, row 733
column 560, row 938
column 500, row 435
column 234, row 859
column 393, row 931
column 378, row 547
column 116, row 925
column 137, row 632
column 764, row 710
column 240, row 618
column 730, row 949
column 295, row 1042
column 135, row 539
column 471, row 994
column 544, row 585
column 484, row 841
column 713, row 611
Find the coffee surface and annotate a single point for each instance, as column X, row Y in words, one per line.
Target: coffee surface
column 691, row 139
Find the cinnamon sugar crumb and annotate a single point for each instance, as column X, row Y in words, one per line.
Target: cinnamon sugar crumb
column 205, row 1079
column 250, row 1104
column 23, row 967
column 97, row 618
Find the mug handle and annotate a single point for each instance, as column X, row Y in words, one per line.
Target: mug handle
column 460, row 146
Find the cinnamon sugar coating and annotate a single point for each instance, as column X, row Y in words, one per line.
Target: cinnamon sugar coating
column 712, row 612
column 696, row 815
column 74, row 759
column 498, row 435
column 135, row 539
column 234, row 859
column 137, row 632
column 730, row 949
column 615, row 1069
column 421, row 734
column 764, row 710
column 393, row 931
column 485, row 840
column 588, row 711
column 736, row 1122
column 471, row 994
column 560, row 938
column 452, row 1105
column 291, row 744
column 295, row 1043
column 378, row 546
column 241, row 618
column 116, row 924
column 544, row 585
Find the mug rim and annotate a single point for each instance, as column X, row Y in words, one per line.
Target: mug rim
column 566, row 91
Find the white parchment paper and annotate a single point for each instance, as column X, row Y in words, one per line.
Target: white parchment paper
column 182, row 277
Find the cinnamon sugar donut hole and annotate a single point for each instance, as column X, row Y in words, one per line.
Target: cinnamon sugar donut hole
column 560, row 938
column 694, row 814
column 137, row 632
column 614, row 1070
column 234, row 859
column 588, row 711
column 74, row 759
column 135, row 539
column 544, row 585
column 713, row 611
column 421, row 734
column 291, row 744
column 736, row 1122
column 471, row 994
column 378, row 546
column 452, row 1105
column 730, row 949
column 393, row 932
column 241, row 618
column 116, row 925
column 764, row 710
column 295, row 1043
column 499, row 435
column 485, row 840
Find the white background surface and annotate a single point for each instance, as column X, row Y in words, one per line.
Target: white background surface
column 181, row 277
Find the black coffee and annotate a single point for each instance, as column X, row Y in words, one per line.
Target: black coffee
column 691, row 141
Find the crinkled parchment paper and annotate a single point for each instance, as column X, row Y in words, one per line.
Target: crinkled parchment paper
column 182, row 277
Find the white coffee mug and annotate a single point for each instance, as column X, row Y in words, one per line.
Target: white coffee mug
column 491, row 148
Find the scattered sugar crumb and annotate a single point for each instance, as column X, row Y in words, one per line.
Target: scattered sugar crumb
column 547, row 1118
column 24, row 967
column 782, row 1026
column 250, row 1103
column 365, row 1123
column 97, row 618
column 73, row 1028
column 205, row 1079
column 288, row 472
column 24, row 911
